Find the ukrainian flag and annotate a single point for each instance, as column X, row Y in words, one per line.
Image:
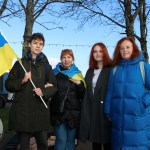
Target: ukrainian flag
column 73, row 72
column 6, row 55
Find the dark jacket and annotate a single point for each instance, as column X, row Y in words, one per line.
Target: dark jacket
column 93, row 125
column 72, row 106
column 28, row 113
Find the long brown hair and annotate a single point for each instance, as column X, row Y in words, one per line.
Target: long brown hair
column 117, row 56
column 106, row 58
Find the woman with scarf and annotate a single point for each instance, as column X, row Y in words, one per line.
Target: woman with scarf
column 65, row 106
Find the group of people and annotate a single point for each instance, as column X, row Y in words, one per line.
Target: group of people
column 109, row 107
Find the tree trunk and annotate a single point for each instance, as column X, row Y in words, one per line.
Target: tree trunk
column 143, row 30
column 129, row 18
column 29, row 11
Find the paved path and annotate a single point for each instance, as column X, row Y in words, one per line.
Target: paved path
column 84, row 146
column 80, row 146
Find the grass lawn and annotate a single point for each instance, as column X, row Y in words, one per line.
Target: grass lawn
column 4, row 114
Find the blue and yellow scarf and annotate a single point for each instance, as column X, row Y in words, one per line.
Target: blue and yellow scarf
column 73, row 72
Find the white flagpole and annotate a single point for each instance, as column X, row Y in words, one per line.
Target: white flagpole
column 33, row 84
column 26, row 71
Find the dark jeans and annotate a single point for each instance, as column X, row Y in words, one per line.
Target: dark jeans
column 98, row 146
column 40, row 137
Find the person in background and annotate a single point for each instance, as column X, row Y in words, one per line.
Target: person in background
column 93, row 125
column 127, row 102
column 65, row 106
column 28, row 115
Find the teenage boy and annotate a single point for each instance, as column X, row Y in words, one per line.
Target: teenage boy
column 28, row 114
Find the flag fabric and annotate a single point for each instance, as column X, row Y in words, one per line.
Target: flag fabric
column 7, row 55
column 73, row 72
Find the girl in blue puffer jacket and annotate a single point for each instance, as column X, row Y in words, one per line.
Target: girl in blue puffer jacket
column 128, row 98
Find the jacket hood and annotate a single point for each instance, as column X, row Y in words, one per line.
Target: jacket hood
column 41, row 58
column 133, row 61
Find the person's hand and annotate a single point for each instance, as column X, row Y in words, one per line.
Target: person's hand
column 51, row 140
column 33, row 145
column 48, row 85
column 75, row 81
column 27, row 76
column 38, row 91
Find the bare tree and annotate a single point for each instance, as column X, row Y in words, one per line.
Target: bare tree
column 28, row 11
column 8, row 10
column 32, row 9
column 3, row 6
column 143, row 28
column 136, row 11
column 123, row 15
column 118, row 14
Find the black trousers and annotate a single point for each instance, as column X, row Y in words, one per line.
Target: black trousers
column 40, row 137
column 98, row 146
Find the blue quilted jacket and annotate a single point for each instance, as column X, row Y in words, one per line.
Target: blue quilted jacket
column 128, row 106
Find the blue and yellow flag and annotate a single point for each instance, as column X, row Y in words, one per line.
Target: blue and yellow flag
column 6, row 55
column 73, row 72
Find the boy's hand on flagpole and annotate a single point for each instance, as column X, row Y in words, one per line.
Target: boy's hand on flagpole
column 38, row 91
column 27, row 77
column 75, row 81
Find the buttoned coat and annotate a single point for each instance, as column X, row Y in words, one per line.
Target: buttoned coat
column 28, row 113
column 93, row 125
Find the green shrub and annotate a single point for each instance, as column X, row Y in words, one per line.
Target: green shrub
column 4, row 113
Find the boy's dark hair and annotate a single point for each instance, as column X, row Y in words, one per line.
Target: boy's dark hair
column 36, row 36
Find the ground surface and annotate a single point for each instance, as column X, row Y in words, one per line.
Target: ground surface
column 8, row 135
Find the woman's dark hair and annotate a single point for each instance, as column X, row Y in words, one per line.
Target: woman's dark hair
column 106, row 58
column 117, row 56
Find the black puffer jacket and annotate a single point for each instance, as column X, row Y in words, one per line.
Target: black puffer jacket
column 72, row 106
